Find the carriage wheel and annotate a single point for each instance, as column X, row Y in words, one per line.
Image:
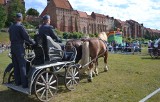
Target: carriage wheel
column 71, row 77
column 11, row 78
column 154, row 54
column 46, row 86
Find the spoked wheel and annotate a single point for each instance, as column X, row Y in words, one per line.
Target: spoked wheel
column 154, row 54
column 71, row 77
column 46, row 86
column 11, row 78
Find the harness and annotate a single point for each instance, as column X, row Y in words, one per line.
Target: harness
column 105, row 42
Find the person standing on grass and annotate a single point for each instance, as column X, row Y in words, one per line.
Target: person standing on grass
column 18, row 36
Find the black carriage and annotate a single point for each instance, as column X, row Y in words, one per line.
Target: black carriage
column 154, row 50
column 44, row 61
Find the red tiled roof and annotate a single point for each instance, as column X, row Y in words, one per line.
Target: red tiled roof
column 63, row 4
column 121, row 22
column 75, row 12
column 44, row 12
column 82, row 14
column 90, row 17
column 155, row 31
column 100, row 15
column 1, row 1
column 133, row 21
column 149, row 30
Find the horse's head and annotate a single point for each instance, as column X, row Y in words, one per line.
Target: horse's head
column 103, row 36
column 73, row 43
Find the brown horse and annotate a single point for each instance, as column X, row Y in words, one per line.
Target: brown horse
column 92, row 49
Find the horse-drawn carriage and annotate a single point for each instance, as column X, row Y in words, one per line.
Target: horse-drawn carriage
column 154, row 50
column 44, row 61
column 47, row 59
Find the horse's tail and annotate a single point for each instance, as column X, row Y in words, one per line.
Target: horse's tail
column 85, row 56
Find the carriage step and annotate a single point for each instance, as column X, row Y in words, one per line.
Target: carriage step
column 18, row 88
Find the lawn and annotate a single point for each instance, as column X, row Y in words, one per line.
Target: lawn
column 129, row 79
column 4, row 37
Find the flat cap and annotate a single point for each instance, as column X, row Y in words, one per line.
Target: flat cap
column 19, row 15
column 45, row 17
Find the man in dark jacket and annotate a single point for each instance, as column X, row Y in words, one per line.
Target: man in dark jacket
column 47, row 29
column 18, row 36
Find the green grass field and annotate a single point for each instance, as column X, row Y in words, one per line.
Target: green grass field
column 129, row 79
column 4, row 37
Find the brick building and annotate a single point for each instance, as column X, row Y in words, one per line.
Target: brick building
column 131, row 28
column 65, row 18
column 2, row 1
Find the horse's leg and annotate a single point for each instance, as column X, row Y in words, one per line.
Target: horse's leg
column 105, row 61
column 96, row 67
column 90, row 70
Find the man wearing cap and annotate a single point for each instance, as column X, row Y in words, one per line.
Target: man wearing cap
column 18, row 36
column 47, row 29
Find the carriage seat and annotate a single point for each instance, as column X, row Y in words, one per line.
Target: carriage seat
column 55, row 52
column 46, row 50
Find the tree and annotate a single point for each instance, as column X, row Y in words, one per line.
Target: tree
column 15, row 6
column 32, row 12
column 3, row 16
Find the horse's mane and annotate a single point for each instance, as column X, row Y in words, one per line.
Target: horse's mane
column 103, row 36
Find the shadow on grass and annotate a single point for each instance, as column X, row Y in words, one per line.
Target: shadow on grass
column 14, row 96
column 150, row 58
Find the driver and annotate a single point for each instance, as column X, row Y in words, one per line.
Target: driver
column 18, row 36
column 47, row 29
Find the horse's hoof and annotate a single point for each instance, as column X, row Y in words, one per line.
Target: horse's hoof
column 93, row 75
column 105, row 70
column 89, row 80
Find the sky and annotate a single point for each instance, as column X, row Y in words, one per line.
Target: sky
column 142, row 11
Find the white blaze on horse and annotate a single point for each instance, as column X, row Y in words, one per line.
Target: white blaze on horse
column 92, row 49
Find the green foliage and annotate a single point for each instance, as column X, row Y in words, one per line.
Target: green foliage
column 4, row 37
column 91, row 35
column 77, row 35
column 3, row 16
column 74, row 35
column 34, row 23
column 65, row 35
column 128, row 39
column 147, row 36
column 15, row 6
column 59, row 33
column 96, row 35
column 32, row 12
column 28, row 25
